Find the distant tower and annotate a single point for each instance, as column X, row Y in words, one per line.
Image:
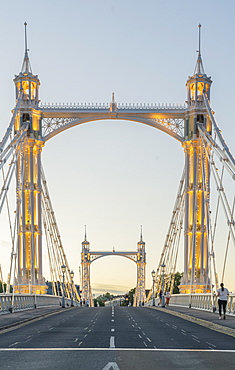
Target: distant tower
column 140, row 295
column 28, row 177
column 86, row 262
column 197, row 176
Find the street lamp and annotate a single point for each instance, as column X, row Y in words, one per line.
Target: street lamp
column 163, row 284
column 153, row 273
column 72, row 276
column 63, row 268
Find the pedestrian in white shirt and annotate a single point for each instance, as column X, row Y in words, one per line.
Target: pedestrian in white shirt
column 222, row 295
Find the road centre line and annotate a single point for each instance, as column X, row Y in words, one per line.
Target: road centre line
column 120, row 349
column 112, row 345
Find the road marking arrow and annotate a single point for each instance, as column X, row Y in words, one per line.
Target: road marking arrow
column 111, row 365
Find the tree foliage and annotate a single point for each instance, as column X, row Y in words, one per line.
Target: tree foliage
column 177, row 279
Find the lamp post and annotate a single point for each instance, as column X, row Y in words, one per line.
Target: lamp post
column 63, row 268
column 153, row 273
column 72, row 276
column 163, row 284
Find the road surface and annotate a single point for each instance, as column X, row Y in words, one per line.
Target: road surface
column 123, row 338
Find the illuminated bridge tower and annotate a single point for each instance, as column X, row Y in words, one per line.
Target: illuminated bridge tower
column 86, row 262
column 140, row 295
column 28, row 182
column 197, row 180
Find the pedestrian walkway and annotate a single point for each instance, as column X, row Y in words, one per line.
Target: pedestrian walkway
column 9, row 320
column 204, row 318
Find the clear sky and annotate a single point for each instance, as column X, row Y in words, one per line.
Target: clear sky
column 114, row 176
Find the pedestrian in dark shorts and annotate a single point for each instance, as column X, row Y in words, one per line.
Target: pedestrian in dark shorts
column 222, row 295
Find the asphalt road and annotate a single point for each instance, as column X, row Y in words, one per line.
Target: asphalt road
column 122, row 338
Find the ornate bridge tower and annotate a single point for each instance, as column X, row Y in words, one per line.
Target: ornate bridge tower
column 197, row 183
column 139, row 257
column 28, row 180
column 86, row 262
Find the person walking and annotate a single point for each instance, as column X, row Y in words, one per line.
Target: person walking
column 168, row 296
column 160, row 298
column 222, row 295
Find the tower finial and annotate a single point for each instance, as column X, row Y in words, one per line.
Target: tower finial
column 199, row 69
column 199, row 39
column 141, row 236
column 25, row 36
column 26, row 67
column 85, row 233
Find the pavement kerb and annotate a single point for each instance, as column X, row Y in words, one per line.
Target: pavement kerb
column 30, row 319
column 205, row 323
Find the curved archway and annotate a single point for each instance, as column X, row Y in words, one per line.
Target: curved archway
column 138, row 257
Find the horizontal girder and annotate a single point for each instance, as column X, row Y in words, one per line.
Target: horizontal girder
column 167, row 119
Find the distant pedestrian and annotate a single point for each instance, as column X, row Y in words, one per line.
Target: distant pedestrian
column 222, row 295
column 160, row 298
column 168, row 296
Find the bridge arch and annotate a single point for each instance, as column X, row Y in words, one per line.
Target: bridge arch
column 174, row 127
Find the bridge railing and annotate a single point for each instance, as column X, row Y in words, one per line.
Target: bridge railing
column 205, row 302
column 18, row 302
column 94, row 106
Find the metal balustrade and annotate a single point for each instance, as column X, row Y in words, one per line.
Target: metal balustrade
column 18, row 302
column 205, row 302
column 119, row 106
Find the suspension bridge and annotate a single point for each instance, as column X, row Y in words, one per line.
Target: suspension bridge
column 207, row 161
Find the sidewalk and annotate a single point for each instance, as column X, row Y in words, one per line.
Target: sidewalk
column 205, row 318
column 9, row 320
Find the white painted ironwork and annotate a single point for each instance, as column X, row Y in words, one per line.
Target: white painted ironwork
column 139, row 257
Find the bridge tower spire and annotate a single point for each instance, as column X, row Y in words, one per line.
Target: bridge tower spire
column 28, row 176
column 197, row 185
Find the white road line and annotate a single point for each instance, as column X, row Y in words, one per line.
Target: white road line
column 115, row 349
column 13, row 344
column 79, row 344
column 148, row 339
column 139, row 335
column 183, row 330
column 139, row 327
column 183, row 333
column 143, row 333
column 194, row 336
column 112, row 320
column 112, row 329
column 210, row 344
column 167, row 324
column 75, row 340
column 86, row 328
column 85, row 335
column 145, row 344
column 112, row 345
column 196, row 340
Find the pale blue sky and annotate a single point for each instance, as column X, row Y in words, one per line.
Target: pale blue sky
column 115, row 176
